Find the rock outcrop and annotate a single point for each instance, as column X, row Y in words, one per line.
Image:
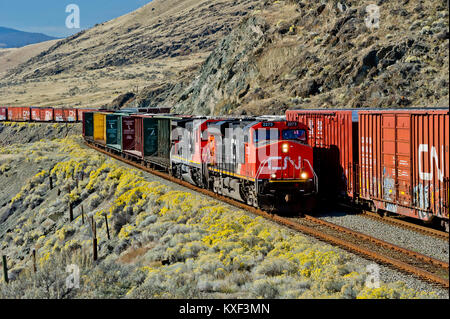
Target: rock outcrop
column 297, row 54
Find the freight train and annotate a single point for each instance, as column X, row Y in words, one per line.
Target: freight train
column 264, row 163
column 389, row 161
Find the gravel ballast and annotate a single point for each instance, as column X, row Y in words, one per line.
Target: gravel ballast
column 426, row 245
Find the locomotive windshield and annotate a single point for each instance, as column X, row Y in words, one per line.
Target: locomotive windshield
column 266, row 134
column 297, row 135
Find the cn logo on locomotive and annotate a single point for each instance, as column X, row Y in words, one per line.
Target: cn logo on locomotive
column 434, row 159
column 287, row 160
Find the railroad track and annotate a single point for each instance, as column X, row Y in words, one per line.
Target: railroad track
column 408, row 261
column 407, row 225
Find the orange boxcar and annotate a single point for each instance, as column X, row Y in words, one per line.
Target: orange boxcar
column 333, row 137
column 404, row 162
column 3, row 113
column 19, row 114
column 65, row 115
column 40, row 114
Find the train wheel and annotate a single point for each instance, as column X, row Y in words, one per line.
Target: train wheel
column 307, row 205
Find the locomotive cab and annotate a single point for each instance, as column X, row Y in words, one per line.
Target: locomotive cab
column 261, row 161
column 284, row 162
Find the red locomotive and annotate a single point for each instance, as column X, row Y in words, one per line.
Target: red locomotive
column 262, row 163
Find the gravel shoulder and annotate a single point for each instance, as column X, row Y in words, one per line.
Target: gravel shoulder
column 427, row 245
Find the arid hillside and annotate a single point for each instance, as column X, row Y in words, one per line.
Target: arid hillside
column 153, row 47
column 246, row 57
column 11, row 58
column 338, row 54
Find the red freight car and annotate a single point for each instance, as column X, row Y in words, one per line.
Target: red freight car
column 19, row 114
column 40, row 114
column 65, row 115
column 132, row 131
column 3, row 113
column 333, row 135
column 404, row 162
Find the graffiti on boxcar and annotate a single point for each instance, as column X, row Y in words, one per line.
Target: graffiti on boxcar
column 72, row 116
column 434, row 161
column 424, row 215
column 48, row 115
column 391, row 207
column 388, row 188
column 421, row 196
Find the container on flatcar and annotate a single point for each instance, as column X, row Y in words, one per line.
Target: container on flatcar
column 42, row 114
column 114, row 130
column 147, row 137
column 333, row 135
column 19, row 114
column 404, row 162
column 156, row 139
column 100, row 127
column 65, row 115
column 3, row 113
column 88, row 125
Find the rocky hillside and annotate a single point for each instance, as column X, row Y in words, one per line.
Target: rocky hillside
column 247, row 57
column 153, row 47
column 305, row 53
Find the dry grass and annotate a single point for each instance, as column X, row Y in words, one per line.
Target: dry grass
column 132, row 254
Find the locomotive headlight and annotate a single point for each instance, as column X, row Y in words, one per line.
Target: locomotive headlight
column 285, row 148
column 304, row 175
column 273, row 175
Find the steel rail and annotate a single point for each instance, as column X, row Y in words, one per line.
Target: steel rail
column 407, row 225
column 312, row 230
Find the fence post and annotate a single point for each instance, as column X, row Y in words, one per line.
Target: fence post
column 107, row 227
column 82, row 214
column 34, row 261
column 70, row 212
column 94, row 239
column 5, row 270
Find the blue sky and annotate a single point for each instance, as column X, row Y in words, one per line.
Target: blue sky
column 49, row 16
